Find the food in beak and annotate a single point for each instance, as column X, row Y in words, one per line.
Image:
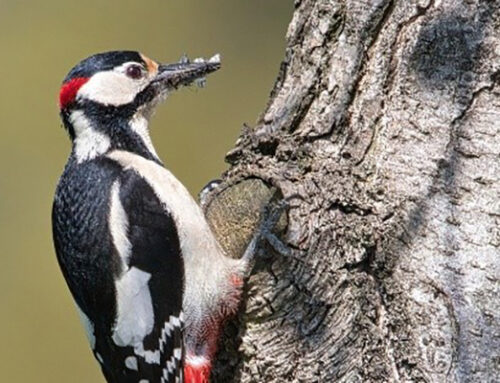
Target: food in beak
column 186, row 72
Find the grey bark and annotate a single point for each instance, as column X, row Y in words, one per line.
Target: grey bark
column 384, row 128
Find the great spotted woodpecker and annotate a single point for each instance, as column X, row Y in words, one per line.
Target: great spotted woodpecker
column 150, row 281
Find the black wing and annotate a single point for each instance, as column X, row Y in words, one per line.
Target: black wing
column 93, row 268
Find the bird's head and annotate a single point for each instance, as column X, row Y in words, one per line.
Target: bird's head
column 106, row 91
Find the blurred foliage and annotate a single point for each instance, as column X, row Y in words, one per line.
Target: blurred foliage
column 42, row 340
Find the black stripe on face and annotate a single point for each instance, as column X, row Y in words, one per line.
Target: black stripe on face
column 103, row 62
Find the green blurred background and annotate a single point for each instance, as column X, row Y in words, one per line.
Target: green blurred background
column 41, row 338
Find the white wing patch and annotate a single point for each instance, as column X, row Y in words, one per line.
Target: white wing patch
column 88, row 142
column 135, row 316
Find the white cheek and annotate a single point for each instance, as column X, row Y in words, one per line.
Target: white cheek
column 111, row 88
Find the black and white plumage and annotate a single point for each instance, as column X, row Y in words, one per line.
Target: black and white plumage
column 150, row 281
column 117, row 247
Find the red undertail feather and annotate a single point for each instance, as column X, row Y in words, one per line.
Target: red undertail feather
column 197, row 374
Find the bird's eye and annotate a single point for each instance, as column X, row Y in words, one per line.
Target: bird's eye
column 135, row 72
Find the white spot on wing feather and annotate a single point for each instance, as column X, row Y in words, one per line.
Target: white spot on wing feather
column 131, row 363
column 170, row 366
column 177, row 353
column 151, row 357
column 168, row 328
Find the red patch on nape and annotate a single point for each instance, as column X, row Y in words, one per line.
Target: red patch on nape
column 197, row 374
column 69, row 90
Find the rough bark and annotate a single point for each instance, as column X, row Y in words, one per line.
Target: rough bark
column 384, row 124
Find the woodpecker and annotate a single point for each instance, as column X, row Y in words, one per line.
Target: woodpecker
column 151, row 283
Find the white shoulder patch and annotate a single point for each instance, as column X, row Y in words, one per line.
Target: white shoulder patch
column 135, row 316
column 88, row 142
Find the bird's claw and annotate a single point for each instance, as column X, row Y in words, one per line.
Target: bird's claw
column 271, row 215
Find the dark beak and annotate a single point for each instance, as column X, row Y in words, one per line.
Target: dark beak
column 185, row 72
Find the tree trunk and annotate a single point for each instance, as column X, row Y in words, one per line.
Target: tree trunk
column 383, row 128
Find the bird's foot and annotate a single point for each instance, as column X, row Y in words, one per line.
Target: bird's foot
column 271, row 215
